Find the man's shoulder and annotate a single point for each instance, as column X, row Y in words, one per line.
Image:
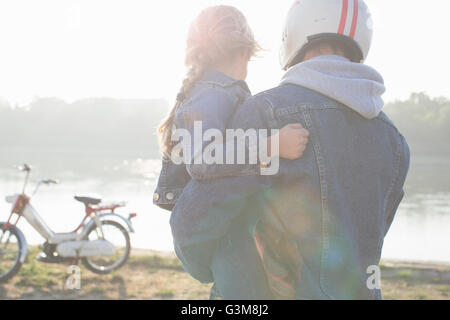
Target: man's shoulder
column 388, row 121
column 270, row 98
column 277, row 92
column 288, row 95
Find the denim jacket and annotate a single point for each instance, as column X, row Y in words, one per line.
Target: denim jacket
column 339, row 200
column 213, row 101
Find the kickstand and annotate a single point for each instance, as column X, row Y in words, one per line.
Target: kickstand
column 76, row 261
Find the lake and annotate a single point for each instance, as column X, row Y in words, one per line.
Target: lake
column 420, row 232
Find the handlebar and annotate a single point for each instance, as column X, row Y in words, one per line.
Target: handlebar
column 25, row 168
column 49, row 181
column 45, row 181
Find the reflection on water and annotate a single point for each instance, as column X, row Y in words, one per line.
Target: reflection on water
column 104, row 175
column 62, row 213
column 420, row 230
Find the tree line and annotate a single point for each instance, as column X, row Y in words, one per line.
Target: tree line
column 91, row 124
column 105, row 124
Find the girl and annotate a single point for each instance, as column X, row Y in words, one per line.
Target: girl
column 219, row 46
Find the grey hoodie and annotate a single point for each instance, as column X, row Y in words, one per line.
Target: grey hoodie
column 355, row 85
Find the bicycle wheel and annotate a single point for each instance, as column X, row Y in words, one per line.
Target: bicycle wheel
column 119, row 237
column 11, row 247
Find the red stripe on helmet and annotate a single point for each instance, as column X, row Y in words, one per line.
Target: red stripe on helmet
column 343, row 16
column 355, row 19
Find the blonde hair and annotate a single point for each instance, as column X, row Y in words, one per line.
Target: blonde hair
column 216, row 35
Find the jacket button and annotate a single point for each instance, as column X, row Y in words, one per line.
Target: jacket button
column 170, row 196
column 156, row 196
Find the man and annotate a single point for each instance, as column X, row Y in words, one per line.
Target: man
column 338, row 201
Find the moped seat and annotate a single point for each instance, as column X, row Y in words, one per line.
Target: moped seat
column 88, row 200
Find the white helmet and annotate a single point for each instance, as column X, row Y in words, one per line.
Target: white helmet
column 308, row 20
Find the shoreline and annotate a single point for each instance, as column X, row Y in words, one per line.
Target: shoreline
column 384, row 262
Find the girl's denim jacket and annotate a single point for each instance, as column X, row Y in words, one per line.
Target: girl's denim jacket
column 184, row 189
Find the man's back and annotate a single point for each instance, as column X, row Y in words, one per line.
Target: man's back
column 339, row 199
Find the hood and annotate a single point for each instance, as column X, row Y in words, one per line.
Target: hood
column 355, row 85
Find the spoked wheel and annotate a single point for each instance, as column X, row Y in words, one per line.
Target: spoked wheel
column 11, row 247
column 119, row 237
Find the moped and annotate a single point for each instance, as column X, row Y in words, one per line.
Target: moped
column 101, row 241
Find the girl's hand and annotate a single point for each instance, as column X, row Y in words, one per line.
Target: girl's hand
column 292, row 139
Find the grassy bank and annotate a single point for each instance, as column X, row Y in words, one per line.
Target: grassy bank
column 152, row 275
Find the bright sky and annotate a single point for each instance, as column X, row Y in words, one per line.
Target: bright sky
column 134, row 48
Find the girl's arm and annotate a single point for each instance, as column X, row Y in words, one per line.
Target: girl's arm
column 212, row 112
column 209, row 114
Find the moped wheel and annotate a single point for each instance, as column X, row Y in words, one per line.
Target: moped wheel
column 115, row 233
column 11, row 247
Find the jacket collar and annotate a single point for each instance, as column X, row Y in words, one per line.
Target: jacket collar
column 215, row 77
